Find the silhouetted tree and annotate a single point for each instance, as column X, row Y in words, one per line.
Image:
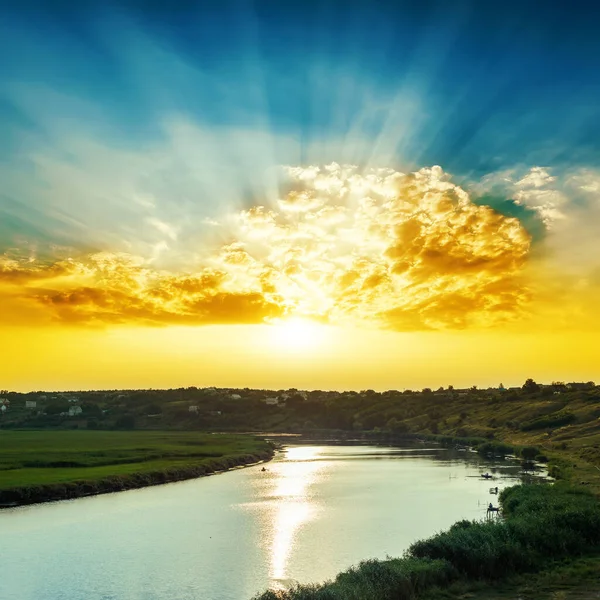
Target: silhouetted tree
column 530, row 387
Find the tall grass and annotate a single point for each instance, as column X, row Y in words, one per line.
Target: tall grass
column 541, row 524
column 374, row 580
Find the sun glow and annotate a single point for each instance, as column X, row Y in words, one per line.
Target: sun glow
column 297, row 334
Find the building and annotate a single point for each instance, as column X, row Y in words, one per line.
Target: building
column 235, row 397
column 193, row 409
column 75, row 411
column 271, row 401
column 30, row 403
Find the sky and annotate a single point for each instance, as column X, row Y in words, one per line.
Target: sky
column 315, row 194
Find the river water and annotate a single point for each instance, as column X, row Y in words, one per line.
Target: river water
column 315, row 511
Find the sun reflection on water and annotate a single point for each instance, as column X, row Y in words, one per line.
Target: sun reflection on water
column 294, row 506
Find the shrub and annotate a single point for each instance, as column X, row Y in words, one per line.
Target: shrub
column 529, row 452
column 555, row 420
column 495, row 449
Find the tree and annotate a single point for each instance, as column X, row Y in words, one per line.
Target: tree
column 295, row 400
column 125, row 422
column 55, row 408
column 396, row 426
column 530, row 386
column 91, row 410
column 529, row 452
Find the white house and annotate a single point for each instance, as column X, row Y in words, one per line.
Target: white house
column 193, row 409
column 271, row 401
column 30, row 403
column 75, row 410
column 235, row 397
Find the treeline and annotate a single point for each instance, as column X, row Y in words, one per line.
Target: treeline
column 461, row 413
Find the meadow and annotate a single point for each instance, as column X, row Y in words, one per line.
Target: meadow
column 49, row 465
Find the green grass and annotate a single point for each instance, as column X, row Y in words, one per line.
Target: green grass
column 45, row 458
column 572, row 579
column 543, row 525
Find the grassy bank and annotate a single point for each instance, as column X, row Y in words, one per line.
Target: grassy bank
column 574, row 579
column 39, row 466
column 542, row 524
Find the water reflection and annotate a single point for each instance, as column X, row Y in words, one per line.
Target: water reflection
column 293, row 506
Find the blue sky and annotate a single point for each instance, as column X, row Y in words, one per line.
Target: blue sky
column 203, row 100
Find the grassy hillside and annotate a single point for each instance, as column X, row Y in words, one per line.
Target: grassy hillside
column 565, row 427
column 36, row 464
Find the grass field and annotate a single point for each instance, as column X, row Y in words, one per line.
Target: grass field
column 33, row 459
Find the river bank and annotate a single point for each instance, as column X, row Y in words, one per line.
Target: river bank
column 46, row 466
column 542, row 524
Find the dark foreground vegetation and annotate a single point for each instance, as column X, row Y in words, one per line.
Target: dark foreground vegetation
column 40, row 466
column 541, row 525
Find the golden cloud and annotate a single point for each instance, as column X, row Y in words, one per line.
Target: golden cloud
column 405, row 251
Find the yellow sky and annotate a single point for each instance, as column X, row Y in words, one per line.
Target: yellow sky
column 351, row 280
column 256, row 356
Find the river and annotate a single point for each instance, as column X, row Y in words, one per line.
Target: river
column 315, row 511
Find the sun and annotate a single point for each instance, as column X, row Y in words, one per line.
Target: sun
column 297, row 334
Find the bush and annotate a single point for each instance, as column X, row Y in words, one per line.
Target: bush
column 529, row 453
column 558, row 419
column 495, row 449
